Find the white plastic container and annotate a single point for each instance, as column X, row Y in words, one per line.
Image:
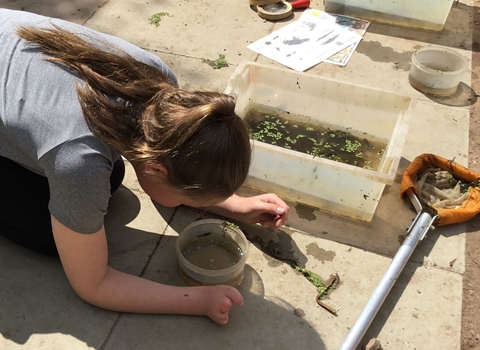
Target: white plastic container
column 325, row 184
column 422, row 14
column 436, row 70
column 195, row 275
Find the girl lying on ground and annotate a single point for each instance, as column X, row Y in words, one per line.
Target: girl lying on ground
column 72, row 102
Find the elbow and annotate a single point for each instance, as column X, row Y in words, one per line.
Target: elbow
column 88, row 294
column 90, row 291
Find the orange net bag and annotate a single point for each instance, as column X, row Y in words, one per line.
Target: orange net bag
column 448, row 187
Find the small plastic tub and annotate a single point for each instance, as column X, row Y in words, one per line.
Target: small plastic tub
column 212, row 252
column 436, row 71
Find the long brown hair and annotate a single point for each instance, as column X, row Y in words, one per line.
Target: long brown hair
column 135, row 109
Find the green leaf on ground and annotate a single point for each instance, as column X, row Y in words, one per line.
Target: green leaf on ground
column 156, row 18
column 220, row 62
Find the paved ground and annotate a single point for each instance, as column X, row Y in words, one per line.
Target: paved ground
column 471, row 278
column 423, row 311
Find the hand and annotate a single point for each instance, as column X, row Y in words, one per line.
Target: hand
column 266, row 209
column 220, row 300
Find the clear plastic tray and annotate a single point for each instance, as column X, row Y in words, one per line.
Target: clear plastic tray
column 322, row 183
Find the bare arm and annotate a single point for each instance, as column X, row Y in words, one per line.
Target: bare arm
column 84, row 258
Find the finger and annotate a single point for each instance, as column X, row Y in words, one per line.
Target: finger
column 221, row 319
column 274, row 199
column 281, row 219
column 273, row 221
column 270, row 208
column 226, row 305
column 234, row 295
column 225, row 320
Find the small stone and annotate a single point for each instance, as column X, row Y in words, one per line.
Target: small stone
column 299, row 312
column 374, row 344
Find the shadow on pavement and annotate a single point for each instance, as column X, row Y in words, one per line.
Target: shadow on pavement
column 77, row 11
column 38, row 300
column 452, row 35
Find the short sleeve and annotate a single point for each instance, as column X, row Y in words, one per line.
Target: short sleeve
column 78, row 174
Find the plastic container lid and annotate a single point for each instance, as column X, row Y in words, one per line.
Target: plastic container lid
column 262, row 2
column 275, row 12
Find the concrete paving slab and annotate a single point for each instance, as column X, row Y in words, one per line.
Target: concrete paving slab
column 360, row 272
column 196, row 74
column 280, row 310
column 423, row 309
column 416, row 316
column 262, row 323
column 201, row 29
column 40, row 309
column 133, row 228
column 279, row 302
column 77, row 11
column 438, row 129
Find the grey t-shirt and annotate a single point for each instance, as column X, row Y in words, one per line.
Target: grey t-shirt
column 42, row 126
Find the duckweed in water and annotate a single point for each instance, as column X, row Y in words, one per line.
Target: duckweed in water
column 315, row 140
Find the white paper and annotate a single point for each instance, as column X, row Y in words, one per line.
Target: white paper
column 306, row 42
column 352, row 24
column 342, row 57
